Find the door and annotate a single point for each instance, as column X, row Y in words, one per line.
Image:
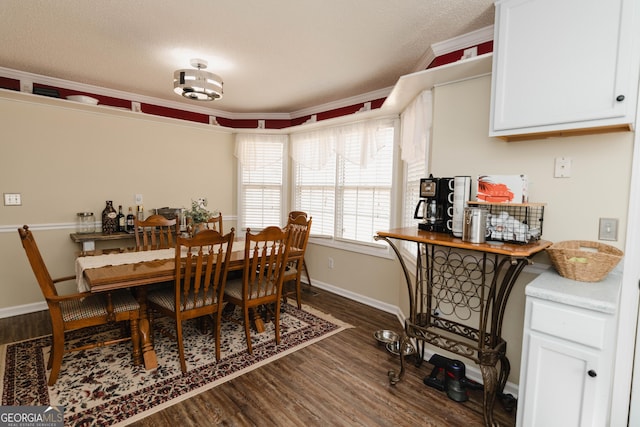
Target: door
column 558, row 388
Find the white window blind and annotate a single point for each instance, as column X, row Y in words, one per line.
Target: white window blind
column 343, row 179
column 261, row 174
column 414, row 171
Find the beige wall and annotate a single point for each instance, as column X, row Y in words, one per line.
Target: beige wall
column 598, row 186
column 65, row 159
column 601, row 164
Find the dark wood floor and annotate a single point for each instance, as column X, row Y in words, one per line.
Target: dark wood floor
column 339, row 381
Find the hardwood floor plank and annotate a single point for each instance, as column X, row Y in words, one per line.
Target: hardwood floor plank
column 339, row 381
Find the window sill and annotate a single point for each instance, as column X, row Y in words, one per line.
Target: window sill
column 362, row 248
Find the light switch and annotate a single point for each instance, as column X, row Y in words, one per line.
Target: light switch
column 12, row 199
column 608, row 229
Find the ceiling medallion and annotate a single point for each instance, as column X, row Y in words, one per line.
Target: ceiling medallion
column 197, row 84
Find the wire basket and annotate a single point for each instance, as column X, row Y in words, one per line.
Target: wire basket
column 583, row 260
column 513, row 223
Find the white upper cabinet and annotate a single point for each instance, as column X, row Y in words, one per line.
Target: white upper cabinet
column 564, row 65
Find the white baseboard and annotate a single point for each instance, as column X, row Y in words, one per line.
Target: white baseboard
column 22, row 309
column 473, row 371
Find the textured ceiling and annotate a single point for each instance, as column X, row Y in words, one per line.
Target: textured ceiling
column 275, row 56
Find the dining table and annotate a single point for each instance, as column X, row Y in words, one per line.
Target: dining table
column 104, row 272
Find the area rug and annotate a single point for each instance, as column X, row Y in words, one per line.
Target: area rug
column 102, row 387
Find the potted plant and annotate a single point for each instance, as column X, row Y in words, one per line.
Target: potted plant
column 198, row 215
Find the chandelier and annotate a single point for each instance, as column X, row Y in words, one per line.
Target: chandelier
column 197, row 84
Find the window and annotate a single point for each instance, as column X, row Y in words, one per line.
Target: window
column 416, row 122
column 261, row 168
column 343, row 178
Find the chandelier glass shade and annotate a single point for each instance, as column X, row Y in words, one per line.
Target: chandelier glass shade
column 197, row 84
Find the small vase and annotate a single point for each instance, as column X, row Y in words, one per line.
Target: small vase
column 109, row 219
column 198, row 227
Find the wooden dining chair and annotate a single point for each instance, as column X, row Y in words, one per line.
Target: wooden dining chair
column 156, row 232
column 79, row 310
column 215, row 223
column 202, row 263
column 300, row 229
column 265, row 259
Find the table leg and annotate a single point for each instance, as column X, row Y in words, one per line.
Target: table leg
column 146, row 341
column 489, row 379
column 148, row 353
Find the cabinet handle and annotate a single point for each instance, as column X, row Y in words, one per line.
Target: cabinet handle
column 592, row 373
column 620, row 98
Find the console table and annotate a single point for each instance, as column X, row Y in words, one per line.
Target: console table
column 457, row 300
column 88, row 240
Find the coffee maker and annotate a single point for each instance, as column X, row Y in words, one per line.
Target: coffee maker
column 435, row 207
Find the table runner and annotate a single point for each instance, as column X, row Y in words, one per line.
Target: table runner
column 85, row 262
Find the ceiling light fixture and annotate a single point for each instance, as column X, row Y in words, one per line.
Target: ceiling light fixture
column 197, row 84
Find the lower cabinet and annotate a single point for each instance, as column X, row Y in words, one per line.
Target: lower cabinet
column 567, row 365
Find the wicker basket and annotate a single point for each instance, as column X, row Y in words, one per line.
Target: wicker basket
column 583, row 260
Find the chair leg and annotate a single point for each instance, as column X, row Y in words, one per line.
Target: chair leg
column 247, row 328
column 55, row 358
column 135, row 341
column 183, row 363
column 306, row 271
column 298, row 292
column 277, row 321
column 216, row 331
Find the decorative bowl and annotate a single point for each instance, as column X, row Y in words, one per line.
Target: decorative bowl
column 384, row 336
column 393, row 348
column 83, row 99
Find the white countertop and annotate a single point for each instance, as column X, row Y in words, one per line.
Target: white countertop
column 600, row 296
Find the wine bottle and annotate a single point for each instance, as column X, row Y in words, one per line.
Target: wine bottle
column 122, row 220
column 109, row 221
column 130, row 220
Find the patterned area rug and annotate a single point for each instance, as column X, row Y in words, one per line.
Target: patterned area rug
column 102, row 387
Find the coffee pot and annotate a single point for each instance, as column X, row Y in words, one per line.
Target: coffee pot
column 435, row 207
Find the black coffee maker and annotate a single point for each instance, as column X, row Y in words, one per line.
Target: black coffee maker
column 435, row 207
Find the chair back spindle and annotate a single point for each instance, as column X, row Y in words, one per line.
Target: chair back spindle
column 156, row 232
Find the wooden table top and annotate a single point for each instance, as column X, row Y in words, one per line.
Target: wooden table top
column 414, row 234
column 145, row 273
column 142, row 273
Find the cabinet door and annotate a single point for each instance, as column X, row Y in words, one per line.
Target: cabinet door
column 563, row 65
column 559, row 386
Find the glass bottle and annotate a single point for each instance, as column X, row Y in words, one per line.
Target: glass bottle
column 109, row 219
column 130, row 219
column 122, row 220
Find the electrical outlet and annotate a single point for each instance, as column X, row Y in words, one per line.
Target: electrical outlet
column 330, row 262
column 12, row 199
column 138, row 198
column 608, row 229
column 562, row 167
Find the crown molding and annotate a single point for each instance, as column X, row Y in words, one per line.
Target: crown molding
column 98, row 90
column 437, row 49
column 346, row 102
column 457, row 43
column 473, row 38
column 24, row 76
